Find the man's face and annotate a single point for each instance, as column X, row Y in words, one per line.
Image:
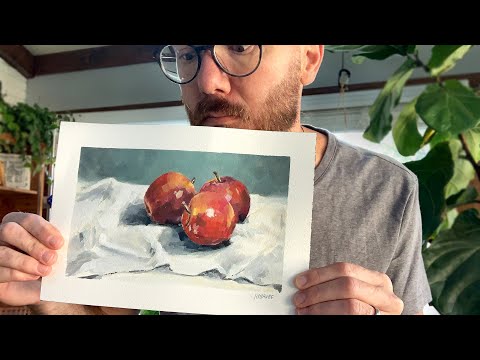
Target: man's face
column 268, row 99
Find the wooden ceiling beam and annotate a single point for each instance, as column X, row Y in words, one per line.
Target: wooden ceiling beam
column 94, row 58
column 19, row 58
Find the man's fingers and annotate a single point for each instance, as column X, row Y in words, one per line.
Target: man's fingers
column 334, row 271
column 10, row 275
column 338, row 307
column 38, row 227
column 349, row 288
column 20, row 293
column 13, row 259
column 15, row 235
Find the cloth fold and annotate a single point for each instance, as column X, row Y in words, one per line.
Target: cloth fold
column 111, row 233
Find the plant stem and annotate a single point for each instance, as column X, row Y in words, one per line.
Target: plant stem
column 218, row 177
column 470, row 158
column 455, row 206
column 419, row 62
column 429, row 134
column 187, row 208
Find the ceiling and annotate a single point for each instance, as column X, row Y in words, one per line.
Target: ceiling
column 36, row 50
column 35, row 60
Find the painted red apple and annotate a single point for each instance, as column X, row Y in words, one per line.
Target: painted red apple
column 234, row 191
column 165, row 196
column 208, row 219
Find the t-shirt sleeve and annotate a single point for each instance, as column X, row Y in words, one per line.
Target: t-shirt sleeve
column 407, row 270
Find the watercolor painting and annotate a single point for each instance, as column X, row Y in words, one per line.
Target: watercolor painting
column 141, row 213
column 185, row 219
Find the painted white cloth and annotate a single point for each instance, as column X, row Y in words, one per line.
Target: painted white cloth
column 111, row 233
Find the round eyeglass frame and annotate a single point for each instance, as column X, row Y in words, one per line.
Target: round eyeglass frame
column 198, row 50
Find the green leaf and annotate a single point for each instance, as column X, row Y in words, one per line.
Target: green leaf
column 374, row 52
column 380, row 111
column 444, row 57
column 356, row 59
column 434, row 172
column 340, row 48
column 472, row 138
column 32, row 129
column 439, row 138
column 463, row 197
column 452, row 108
column 149, row 312
column 447, row 223
column 380, row 52
column 463, row 171
column 405, row 132
column 411, row 49
column 452, row 264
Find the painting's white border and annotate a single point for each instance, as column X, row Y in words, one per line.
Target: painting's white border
column 175, row 294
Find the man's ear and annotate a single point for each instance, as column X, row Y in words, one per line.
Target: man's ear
column 313, row 56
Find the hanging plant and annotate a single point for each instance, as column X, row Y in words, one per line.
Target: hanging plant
column 28, row 131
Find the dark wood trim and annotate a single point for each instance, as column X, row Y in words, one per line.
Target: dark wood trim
column 94, row 58
column 19, row 58
column 472, row 77
column 474, row 82
column 124, row 107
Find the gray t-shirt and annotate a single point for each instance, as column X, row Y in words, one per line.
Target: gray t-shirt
column 366, row 211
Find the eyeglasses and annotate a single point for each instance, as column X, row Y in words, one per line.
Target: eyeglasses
column 181, row 63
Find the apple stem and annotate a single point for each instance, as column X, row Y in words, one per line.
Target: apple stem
column 187, row 209
column 193, row 180
column 218, row 177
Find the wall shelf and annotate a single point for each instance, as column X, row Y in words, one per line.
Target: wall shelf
column 10, row 191
column 30, row 201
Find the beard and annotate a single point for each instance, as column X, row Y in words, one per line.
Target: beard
column 278, row 113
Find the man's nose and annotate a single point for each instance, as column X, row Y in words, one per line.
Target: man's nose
column 211, row 79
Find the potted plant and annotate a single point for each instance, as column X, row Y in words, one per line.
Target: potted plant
column 449, row 200
column 27, row 138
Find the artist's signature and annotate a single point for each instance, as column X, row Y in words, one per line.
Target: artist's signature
column 263, row 297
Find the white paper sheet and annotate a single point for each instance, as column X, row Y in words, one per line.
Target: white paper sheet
column 114, row 256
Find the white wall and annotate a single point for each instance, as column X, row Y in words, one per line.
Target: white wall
column 14, row 84
column 134, row 84
column 174, row 115
column 145, row 83
column 371, row 70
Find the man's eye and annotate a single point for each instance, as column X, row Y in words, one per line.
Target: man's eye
column 240, row 49
column 189, row 56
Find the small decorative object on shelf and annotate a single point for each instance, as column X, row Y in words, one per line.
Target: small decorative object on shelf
column 16, row 174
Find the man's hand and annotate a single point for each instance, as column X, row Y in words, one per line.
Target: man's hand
column 28, row 249
column 28, row 245
column 344, row 288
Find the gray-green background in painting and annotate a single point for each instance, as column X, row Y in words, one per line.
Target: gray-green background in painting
column 265, row 175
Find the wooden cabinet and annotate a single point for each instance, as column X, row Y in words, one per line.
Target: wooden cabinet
column 32, row 201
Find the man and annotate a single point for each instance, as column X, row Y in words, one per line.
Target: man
column 366, row 228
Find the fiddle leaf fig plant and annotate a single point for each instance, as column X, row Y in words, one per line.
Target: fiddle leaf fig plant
column 450, row 112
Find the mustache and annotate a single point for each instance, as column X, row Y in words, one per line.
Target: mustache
column 216, row 105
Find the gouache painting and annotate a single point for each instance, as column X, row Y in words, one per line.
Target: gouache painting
column 220, row 216
column 163, row 221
